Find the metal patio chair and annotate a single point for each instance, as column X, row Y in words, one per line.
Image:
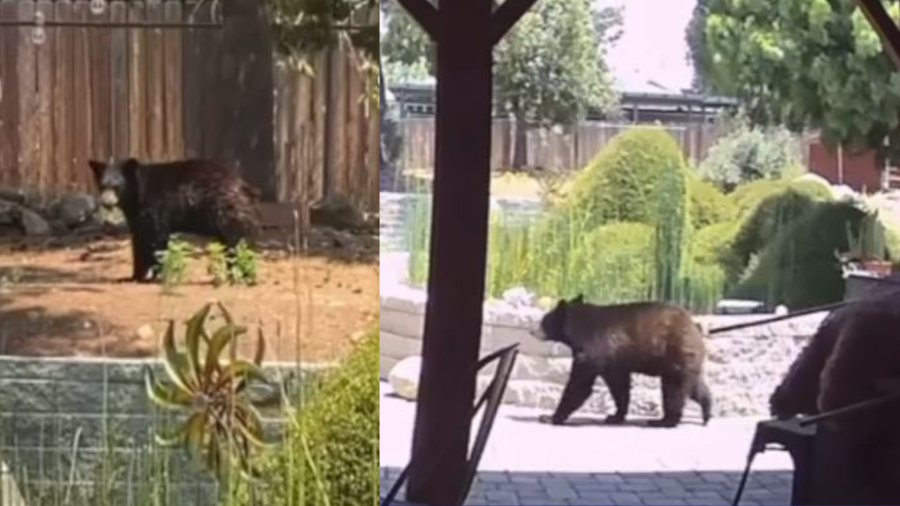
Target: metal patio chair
column 490, row 400
column 799, row 436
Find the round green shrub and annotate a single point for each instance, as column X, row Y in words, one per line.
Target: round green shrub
column 614, row 263
column 713, row 246
column 799, row 268
column 708, row 205
column 774, row 213
column 624, row 181
column 330, row 455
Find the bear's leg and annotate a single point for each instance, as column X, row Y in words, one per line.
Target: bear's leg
column 578, row 389
column 619, row 384
column 699, row 393
column 152, row 239
column 142, row 260
column 674, row 396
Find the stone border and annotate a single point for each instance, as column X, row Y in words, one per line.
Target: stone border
column 743, row 366
column 46, row 401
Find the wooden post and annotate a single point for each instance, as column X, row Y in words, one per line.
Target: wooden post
column 465, row 32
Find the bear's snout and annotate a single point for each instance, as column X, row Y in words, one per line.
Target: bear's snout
column 108, row 198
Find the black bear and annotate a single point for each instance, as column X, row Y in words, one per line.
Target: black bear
column 652, row 338
column 194, row 196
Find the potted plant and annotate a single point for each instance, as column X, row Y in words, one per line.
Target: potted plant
column 868, row 249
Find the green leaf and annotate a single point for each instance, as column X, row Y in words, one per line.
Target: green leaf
column 172, row 361
column 171, row 397
column 217, row 344
column 193, row 337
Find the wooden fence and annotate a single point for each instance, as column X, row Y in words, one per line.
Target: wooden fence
column 153, row 94
column 305, row 153
column 547, row 148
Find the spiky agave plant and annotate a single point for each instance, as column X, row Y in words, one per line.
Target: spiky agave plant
column 223, row 420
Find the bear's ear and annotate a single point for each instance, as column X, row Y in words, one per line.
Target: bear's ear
column 579, row 299
column 97, row 167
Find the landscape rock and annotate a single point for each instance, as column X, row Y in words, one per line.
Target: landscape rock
column 404, row 377
column 75, row 209
column 33, row 224
column 9, row 212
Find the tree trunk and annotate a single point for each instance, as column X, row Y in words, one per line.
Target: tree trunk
column 386, row 170
column 520, row 150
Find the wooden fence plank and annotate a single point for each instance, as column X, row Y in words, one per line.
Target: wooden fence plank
column 172, row 97
column 64, row 94
column 101, row 88
column 9, row 97
column 137, row 82
column 43, row 95
column 27, row 174
column 119, row 79
column 82, row 99
column 354, row 166
column 155, row 81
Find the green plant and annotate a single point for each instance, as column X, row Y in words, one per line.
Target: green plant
column 236, row 267
column 330, row 455
column 798, row 268
column 773, row 213
column 713, row 246
column 708, row 205
column 223, row 423
column 174, row 261
column 869, row 242
column 748, row 153
column 418, row 235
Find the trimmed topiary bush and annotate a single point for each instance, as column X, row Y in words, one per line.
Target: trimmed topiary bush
column 775, row 213
column 623, row 182
column 799, row 268
column 713, row 246
column 708, row 205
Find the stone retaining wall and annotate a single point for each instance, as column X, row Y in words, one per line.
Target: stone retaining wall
column 49, row 404
column 742, row 369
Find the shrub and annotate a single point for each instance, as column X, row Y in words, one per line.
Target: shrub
column 331, row 452
column 708, row 205
column 613, row 264
column 624, row 181
column 799, row 268
column 713, row 246
column 748, row 153
column 775, row 213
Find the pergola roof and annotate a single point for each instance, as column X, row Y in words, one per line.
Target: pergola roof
column 465, row 33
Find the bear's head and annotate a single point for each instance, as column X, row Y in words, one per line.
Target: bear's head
column 553, row 324
column 115, row 180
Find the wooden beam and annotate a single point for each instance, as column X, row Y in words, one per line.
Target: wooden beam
column 458, row 253
column 424, row 13
column 885, row 26
column 506, row 16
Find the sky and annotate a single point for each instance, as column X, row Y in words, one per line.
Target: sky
column 652, row 47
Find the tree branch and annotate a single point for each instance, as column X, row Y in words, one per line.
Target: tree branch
column 505, row 17
column 425, row 14
column 885, row 26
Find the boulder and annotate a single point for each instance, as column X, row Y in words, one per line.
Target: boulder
column 336, row 212
column 33, row 224
column 404, row 377
column 75, row 209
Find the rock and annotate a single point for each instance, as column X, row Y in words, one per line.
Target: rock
column 33, row 224
column 9, row 212
column 146, row 333
column 336, row 212
column 14, row 196
column 518, row 297
column 404, row 377
column 75, row 209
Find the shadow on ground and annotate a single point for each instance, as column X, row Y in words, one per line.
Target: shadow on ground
column 600, row 489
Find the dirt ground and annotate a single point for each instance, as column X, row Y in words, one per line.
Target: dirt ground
column 63, row 299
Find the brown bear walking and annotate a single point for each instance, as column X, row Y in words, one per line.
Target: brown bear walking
column 652, row 338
